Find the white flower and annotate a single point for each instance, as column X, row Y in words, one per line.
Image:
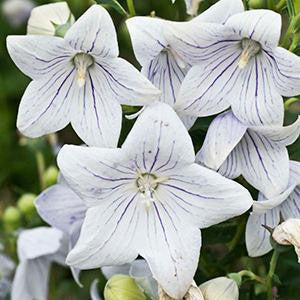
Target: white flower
column 43, row 17
column 162, row 65
column 239, row 65
column 78, row 79
column 17, row 11
column 6, row 269
column 267, row 211
column 257, row 153
column 37, row 249
column 288, row 233
column 221, row 288
column 148, row 198
column 62, row 208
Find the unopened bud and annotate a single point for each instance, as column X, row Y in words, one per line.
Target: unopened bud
column 50, row 176
column 221, row 288
column 11, row 218
column 256, row 4
column 26, row 204
column 122, row 287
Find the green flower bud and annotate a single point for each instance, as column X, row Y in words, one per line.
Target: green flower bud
column 256, row 4
column 50, row 176
column 26, row 204
column 11, row 218
column 122, row 287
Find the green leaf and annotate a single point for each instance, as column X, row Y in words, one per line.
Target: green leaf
column 115, row 5
column 290, row 8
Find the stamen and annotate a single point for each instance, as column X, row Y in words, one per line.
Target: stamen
column 82, row 62
column 250, row 49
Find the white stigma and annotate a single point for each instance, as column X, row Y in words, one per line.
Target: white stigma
column 250, row 49
column 82, row 62
column 147, row 185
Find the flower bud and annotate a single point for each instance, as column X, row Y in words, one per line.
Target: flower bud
column 256, row 4
column 11, row 218
column 288, row 233
column 221, row 288
column 50, row 19
column 50, row 176
column 26, row 204
column 122, row 287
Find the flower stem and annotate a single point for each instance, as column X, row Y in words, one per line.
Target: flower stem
column 41, row 168
column 280, row 5
column 239, row 232
column 131, row 8
column 271, row 273
column 252, row 276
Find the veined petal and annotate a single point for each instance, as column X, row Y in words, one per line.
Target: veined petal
column 290, row 208
column 38, row 242
column 209, row 86
column 166, row 72
column 171, row 247
column 46, row 103
column 96, row 115
column 223, row 134
column 147, row 37
column 31, row 279
column 255, row 25
column 232, row 166
column 94, row 32
column 125, row 83
column 265, row 163
column 166, row 144
column 61, row 207
column 256, row 101
column 285, row 68
column 204, row 197
column 188, row 121
column 294, row 172
column 257, row 237
column 284, row 135
column 42, row 18
column 96, row 174
column 109, row 271
column 196, row 42
column 220, row 11
column 36, row 56
column 109, row 239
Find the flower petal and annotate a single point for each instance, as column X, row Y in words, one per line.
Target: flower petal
column 256, row 101
column 147, row 37
column 285, row 67
column 37, row 242
column 109, row 271
column 284, row 135
column 204, row 197
column 290, row 208
column 61, row 207
column 42, row 18
column 108, row 234
column 223, row 134
column 36, row 56
column 171, row 248
column 265, row 163
column 220, row 11
column 94, row 290
column 159, row 141
column 96, row 174
column 31, row 280
column 188, row 121
column 255, row 25
column 124, row 83
column 232, row 166
column 257, row 237
column 94, row 32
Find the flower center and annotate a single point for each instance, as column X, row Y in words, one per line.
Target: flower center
column 147, row 184
column 82, row 63
column 250, row 49
column 180, row 62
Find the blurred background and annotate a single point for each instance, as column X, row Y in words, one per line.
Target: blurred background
column 28, row 166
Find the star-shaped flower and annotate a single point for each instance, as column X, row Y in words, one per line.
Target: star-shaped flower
column 78, row 79
column 37, row 249
column 268, row 212
column 257, row 153
column 161, row 64
column 239, row 64
column 148, row 197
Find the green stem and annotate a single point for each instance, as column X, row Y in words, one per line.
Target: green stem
column 239, row 232
column 289, row 102
column 271, row 273
column 131, row 8
column 41, row 168
column 291, row 32
column 252, row 276
column 280, row 5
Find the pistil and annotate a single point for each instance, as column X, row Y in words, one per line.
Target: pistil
column 250, row 49
column 82, row 62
